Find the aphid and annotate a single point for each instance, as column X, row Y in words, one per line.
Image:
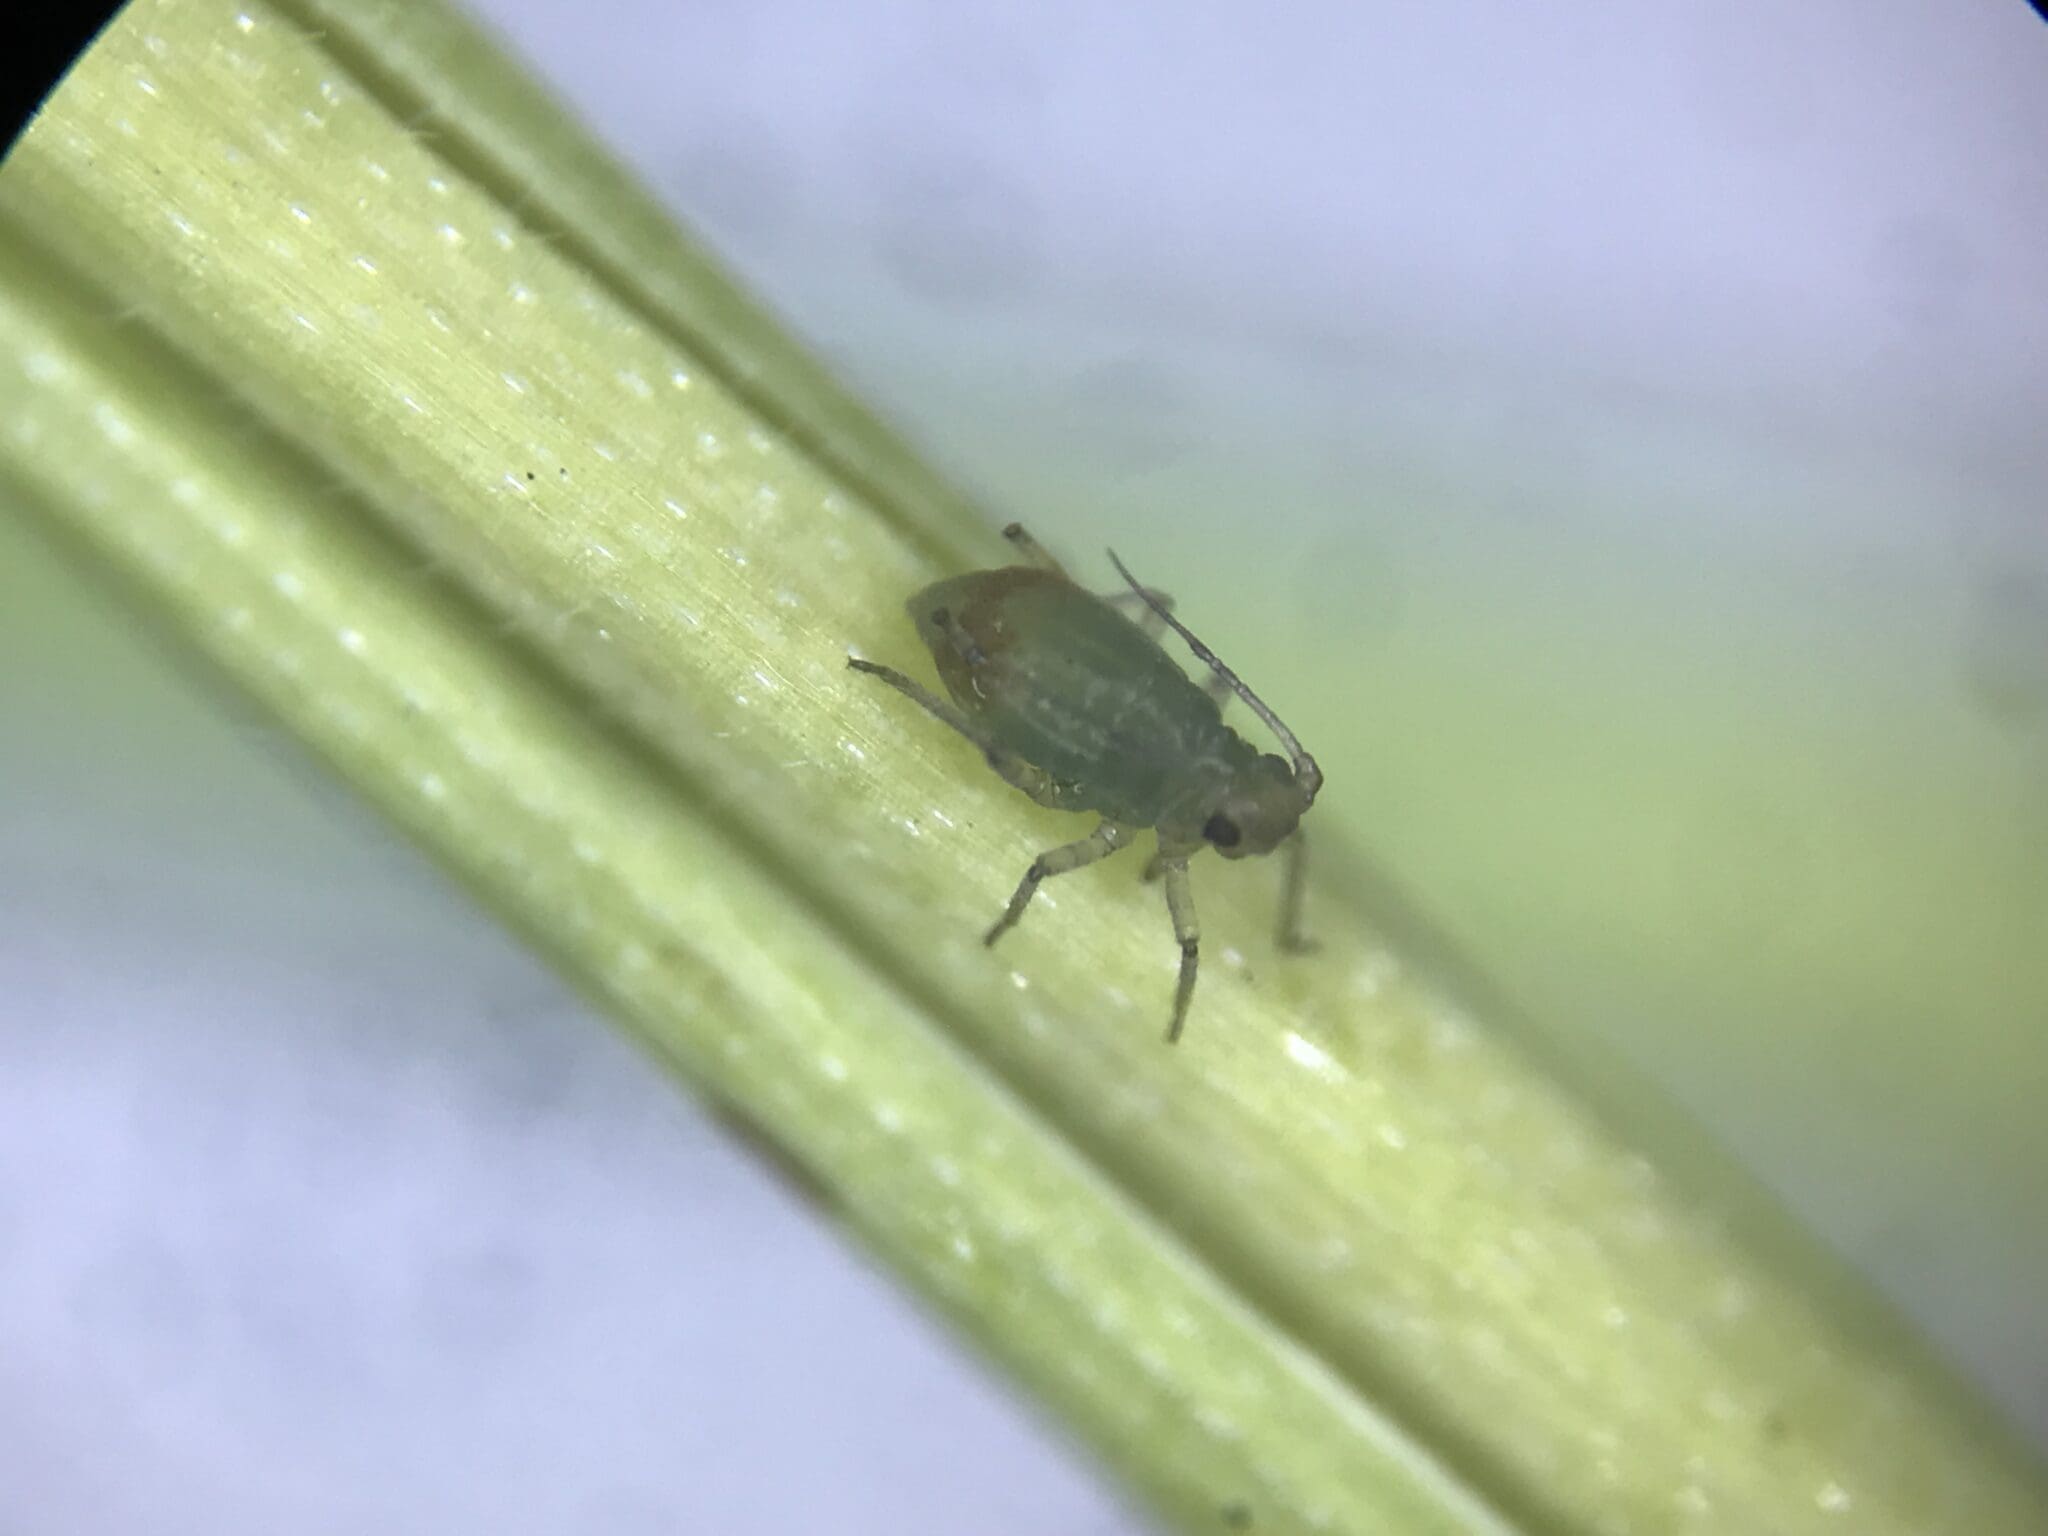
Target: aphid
column 1078, row 706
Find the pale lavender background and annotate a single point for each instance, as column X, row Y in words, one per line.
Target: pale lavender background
column 323, row 1208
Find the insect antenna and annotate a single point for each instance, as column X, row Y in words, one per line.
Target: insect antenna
column 1306, row 773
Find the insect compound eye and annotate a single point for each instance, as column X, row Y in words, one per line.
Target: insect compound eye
column 1221, row 830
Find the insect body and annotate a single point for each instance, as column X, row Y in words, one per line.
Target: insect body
column 1077, row 705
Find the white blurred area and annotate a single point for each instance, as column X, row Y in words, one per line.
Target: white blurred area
column 1511, row 334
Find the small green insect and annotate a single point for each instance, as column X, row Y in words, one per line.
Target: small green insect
column 1078, row 706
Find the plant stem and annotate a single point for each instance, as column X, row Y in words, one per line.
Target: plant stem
column 373, row 379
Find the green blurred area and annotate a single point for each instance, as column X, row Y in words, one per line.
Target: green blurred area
column 1740, row 777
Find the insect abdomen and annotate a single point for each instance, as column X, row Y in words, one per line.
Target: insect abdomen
column 1074, row 688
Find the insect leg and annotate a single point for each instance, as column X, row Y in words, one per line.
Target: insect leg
column 1012, row 768
column 1031, row 549
column 999, row 757
column 1292, row 892
column 1180, row 901
column 1099, row 844
column 1153, row 621
column 917, row 693
column 1150, row 620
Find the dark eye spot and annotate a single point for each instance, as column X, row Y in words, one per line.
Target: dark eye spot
column 1221, row 830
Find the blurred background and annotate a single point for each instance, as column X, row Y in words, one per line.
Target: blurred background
column 1612, row 434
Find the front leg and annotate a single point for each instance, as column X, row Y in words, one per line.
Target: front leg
column 1180, row 901
column 1293, row 891
column 1099, row 844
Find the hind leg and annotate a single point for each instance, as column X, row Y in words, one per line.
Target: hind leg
column 1032, row 550
column 1148, row 619
column 1012, row 768
column 1153, row 622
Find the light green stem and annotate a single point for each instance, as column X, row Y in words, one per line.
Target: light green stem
column 360, row 367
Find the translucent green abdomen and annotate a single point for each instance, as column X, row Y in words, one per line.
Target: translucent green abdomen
column 1061, row 678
